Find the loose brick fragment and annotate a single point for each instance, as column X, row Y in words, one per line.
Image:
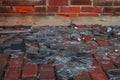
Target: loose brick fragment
column 103, row 43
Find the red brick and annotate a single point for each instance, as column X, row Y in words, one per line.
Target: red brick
column 40, row 9
column 116, row 10
column 29, row 70
column 5, row 9
column 24, row 2
column 25, row 14
column 66, row 15
column 47, row 75
column 91, row 9
column 58, row 2
column 12, row 74
column 0, row 3
column 89, row 14
column 52, row 9
column 83, row 76
column 98, row 74
column 107, row 9
column 116, row 3
column 103, row 43
column 81, row 2
column 102, row 2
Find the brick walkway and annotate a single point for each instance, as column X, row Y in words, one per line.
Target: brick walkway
column 20, row 68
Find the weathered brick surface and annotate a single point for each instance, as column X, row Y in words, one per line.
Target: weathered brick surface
column 47, row 72
column 106, row 64
column 58, row 2
column 40, row 9
column 103, row 2
column 29, row 70
column 12, row 74
column 23, row 2
column 5, row 9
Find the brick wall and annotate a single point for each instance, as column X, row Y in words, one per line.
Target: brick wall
column 66, row 8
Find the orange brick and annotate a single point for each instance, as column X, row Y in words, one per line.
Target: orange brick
column 12, row 74
column 70, row 9
column 23, row 9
